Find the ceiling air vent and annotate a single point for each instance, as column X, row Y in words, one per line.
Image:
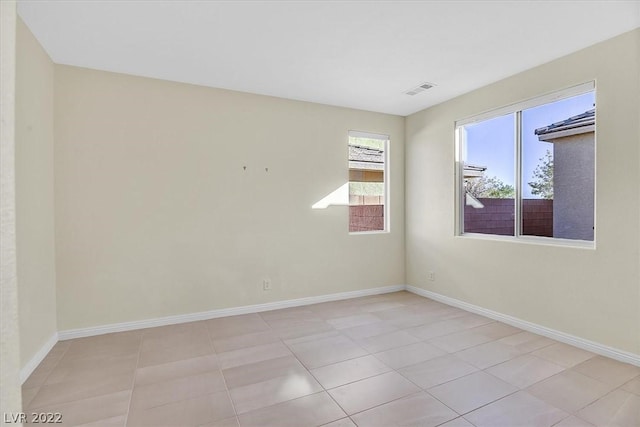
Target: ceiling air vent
column 421, row 88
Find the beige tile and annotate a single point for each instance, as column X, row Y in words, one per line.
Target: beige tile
column 437, row 371
column 84, row 370
column 119, row 421
column 353, row 320
column 563, row 354
column 489, row 354
column 178, row 339
column 400, row 312
column 459, row 341
column 275, row 390
column 468, row 320
column 387, row 341
column 227, row 422
column 332, row 310
column 448, row 326
column 374, row 391
column 418, row 409
column 177, row 329
column 608, row 370
column 617, row 409
column 525, row 370
column 475, row 336
column 472, row 391
column 236, row 325
column 441, row 328
column 633, row 386
column 39, row 375
column 175, row 370
column 287, row 314
column 380, row 306
column 370, row 330
column 497, row 330
column 341, row 373
column 326, row 351
column 343, row 422
column 314, row 410
column 110, row 345
column 190, row 412
column 51, row 360
column 284, row 323
column 573, row 421
column 457, row 422
column 58, row 393
column 526, row 341
column 297, row 329
column 405, row 321
column 519, row 409
column 408, row 298
column 111, row 339
column 28, row 394
column 409, row 355
column 261, row 371
column 162, row 393
column 175, row 353
column 244, row 356
column 243, row 341
column 313, row 337
column 91, row 409
column 372, row 299
column 569, row 390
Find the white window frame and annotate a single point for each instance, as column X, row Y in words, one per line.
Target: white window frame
column 516, row 109
column 386, row 175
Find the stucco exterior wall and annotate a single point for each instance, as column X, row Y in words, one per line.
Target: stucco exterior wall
column 573, row 186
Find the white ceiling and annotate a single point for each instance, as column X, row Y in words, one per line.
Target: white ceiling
column 357, row 54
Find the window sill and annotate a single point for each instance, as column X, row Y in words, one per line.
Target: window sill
column 359, row 233
column 535, row 240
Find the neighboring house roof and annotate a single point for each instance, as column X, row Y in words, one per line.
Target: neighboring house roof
column 581, row 123
column 473, row 171
column 358, row 153
column 365, row 158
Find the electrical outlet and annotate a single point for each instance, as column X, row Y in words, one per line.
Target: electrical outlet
column 431, row 276
column 266, row 284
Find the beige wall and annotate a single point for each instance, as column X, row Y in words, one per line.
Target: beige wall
column 156, row 216
column 34, row 194
column 10, row 398
column 594, row 294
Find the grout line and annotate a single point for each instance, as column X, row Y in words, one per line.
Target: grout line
column 44, row 381
column 135, row 374
column 224, row 380
column 339, row 333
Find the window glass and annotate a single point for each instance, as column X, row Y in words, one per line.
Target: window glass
column 531, row 172
column 558, row 161
column 367, row 190
column 489, row 176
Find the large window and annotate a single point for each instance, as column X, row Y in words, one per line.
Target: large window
column 529, row 169
column 368, row 198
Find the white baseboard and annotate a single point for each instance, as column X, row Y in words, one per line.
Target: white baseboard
column 604, row 350
column 212, row 314
column 32, row 364
column 594, row 347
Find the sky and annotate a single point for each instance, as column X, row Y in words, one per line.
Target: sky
column 491, row 143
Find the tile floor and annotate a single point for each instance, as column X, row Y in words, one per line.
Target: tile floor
column 386, row 360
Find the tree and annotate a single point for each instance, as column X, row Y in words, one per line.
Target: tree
column 542, row 185
column 490, row 188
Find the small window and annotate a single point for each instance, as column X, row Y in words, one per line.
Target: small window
column 368, row 173
column 529, row 169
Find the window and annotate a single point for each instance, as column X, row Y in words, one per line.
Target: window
column 529, row 169
column 368, row 195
